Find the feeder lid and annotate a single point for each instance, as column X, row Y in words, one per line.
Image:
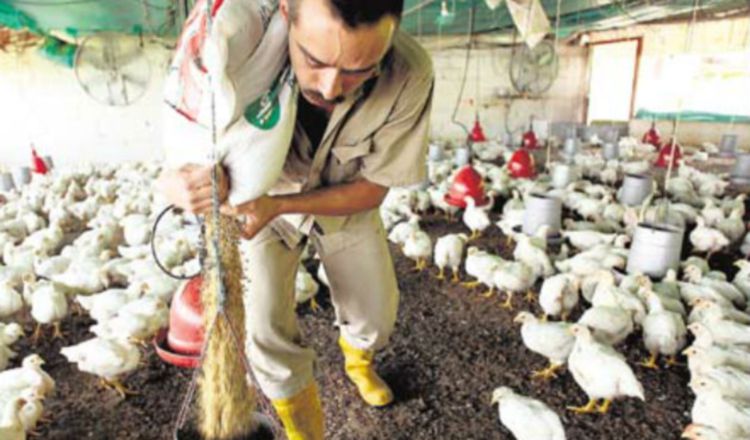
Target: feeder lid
column 665, row 155
column 521, row 164
column 171, row 357
column 468, row 182
column 38, row 165
column 530, row 140
column 185, row 334
column 477, row 134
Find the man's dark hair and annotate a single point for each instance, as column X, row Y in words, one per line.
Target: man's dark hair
column 357, row 12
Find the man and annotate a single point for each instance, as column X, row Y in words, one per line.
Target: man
column 362, row 126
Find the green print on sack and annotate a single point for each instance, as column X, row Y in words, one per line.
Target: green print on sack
column 265, row 112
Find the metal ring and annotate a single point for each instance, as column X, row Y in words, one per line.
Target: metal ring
column 153, row 247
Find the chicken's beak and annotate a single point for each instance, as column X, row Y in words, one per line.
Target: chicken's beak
column 688, row 432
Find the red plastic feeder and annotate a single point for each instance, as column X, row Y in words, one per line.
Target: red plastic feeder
column 38, row 165
column 530, row 142
column 665, row 155
column 652, row 136
column 468, row 182
column 477, row 134
column 182, row 342
column 521, row 164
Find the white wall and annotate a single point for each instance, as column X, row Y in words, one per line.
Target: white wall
column 42, row 102
column 563, row 102
column 712, row 37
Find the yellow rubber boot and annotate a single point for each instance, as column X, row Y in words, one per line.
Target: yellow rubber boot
column 301, row 415
column 359, row 368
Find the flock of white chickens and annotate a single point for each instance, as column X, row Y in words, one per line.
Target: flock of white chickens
column 77, row 241
column 591, row 266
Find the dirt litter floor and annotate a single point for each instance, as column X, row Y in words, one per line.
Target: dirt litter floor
column 451, row 348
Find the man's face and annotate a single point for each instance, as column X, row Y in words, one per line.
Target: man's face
column 330, row 60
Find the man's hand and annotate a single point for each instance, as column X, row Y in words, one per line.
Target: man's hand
column 254, row 214
column 189, row 187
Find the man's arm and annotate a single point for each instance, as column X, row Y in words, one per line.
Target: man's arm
column 343, row 199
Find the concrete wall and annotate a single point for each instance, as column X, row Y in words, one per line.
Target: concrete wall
column 42, row 102
column 498, row 113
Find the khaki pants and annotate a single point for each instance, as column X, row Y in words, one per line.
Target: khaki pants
column 363, row 290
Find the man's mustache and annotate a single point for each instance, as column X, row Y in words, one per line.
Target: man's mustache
column 318, row 97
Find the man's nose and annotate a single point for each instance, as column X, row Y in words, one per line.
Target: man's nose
column 331, row 84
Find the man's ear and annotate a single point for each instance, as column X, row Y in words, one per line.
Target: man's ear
column 284, row 9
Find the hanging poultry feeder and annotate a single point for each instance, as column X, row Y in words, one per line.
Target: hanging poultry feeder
column 570, row 148
column 563, row 175
column 436, row 153
column 610, row 151
column 468, row 182
column 6, row 182
column 666, row 155
column 477, row 134
column 48, row 161
column 521, row 165
column 542, row 209
column 21, row 176
column 530, row 141
column 652, row 136
column 635, row 188
column 461, row 156
column 655, row 249
column 741, row 172
column 38, row 165
column 728, row 145
column 181, row 343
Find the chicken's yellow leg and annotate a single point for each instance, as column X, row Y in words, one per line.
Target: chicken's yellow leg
column 605, row 406
column 547, row 373
column 530, row 296
column 441, row 274
column 589, row 408
column 489, row 292
column 314, row 305
column 37, row 333
column 470, row 284
column 508, row 304
column 120, row 388
column 57, row 333
column 651, row 362
column 455, row 278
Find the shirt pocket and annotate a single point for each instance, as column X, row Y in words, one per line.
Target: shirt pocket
column 346, row 161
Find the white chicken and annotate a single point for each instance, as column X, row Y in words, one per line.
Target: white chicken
column 11, row 301
column 722, row 332
column 703, row 359
column 513, row 277
column 449, row 251
column 481, row 265
column 600, row 371
column 418, row 247
column 553, row 340
column 103, row 306
column 516, row 411
column 728, row 381
column 706, row 239
column 305, row 288
column 49, row 305
column 28, row 375
column 559, row 295
column 664, row 333
column 137, row 321
column 476, row 218
column 401, row 231
column 533, row 256
column 609, row 325
column 11, row 427
column 729, row 416
column 107, row 358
